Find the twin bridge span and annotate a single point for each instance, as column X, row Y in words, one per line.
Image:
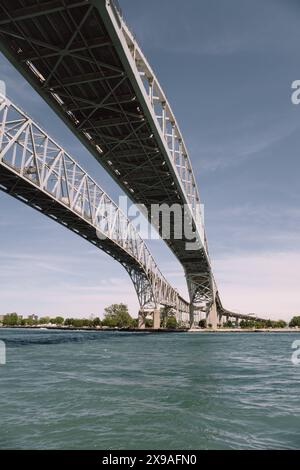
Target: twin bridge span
column 83, row 60
column 38, row 172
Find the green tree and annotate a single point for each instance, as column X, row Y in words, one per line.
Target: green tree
column 96, row 322
column 246, row 324
column 295, row 321
column 30, row 321
column 281, row 324
column 168, row 318
column 117, row 315
column 165, row 312
column 258, row 325
column 57, row 321
column 135, row 323
column 171, row 322
column 78, row 322
column 202, row 323
column 44, row 320
column 11, row 319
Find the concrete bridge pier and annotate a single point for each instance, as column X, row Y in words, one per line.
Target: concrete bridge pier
column 156, row 319
column 192, row 316
column 212, row 316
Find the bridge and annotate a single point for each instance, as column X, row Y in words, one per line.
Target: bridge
column 82, row 58
column 38, row 172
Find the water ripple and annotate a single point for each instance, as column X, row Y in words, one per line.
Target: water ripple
column 111, row 390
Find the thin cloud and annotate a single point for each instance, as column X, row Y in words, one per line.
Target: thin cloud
column 252, row 142
column 266, row 284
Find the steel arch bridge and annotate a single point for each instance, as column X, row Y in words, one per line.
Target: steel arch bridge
column 84, row 61
column 37, row 171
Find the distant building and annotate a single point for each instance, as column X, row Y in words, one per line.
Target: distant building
column 33, row 317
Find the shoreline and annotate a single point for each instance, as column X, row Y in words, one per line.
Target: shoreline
column 98, row 330
column 245, row 330
column 151, row 330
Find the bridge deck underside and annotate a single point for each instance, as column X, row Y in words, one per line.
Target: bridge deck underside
column 65, row 51
column 24, row 191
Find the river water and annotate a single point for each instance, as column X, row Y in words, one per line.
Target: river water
column 112, row 390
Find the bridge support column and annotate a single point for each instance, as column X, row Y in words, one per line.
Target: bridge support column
column 142, row 320
column 156, row 319
column 192, row 316
column 212, row 317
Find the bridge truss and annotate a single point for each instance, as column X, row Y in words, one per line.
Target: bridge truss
column 82, row 58
column 40, row 173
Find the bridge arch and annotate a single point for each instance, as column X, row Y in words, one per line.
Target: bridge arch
column 39, row 172
column 82, row 58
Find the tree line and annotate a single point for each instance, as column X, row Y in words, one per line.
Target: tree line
column 258, row 324
column 118, row 316
column 115, row 316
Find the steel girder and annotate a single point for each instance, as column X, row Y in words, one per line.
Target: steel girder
column 83, row 60
column 223, row 312
column 39, row 172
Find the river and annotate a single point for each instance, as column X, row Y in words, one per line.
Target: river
column 114, row 390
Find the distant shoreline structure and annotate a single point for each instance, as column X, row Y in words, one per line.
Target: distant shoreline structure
column 95, row 329
column 151, row 330
column 118, row 318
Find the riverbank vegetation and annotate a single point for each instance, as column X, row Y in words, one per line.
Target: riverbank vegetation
column 118, row 316
column 256, row 324
column 115, row 316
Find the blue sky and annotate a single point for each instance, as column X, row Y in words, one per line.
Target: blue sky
column 227, row 69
